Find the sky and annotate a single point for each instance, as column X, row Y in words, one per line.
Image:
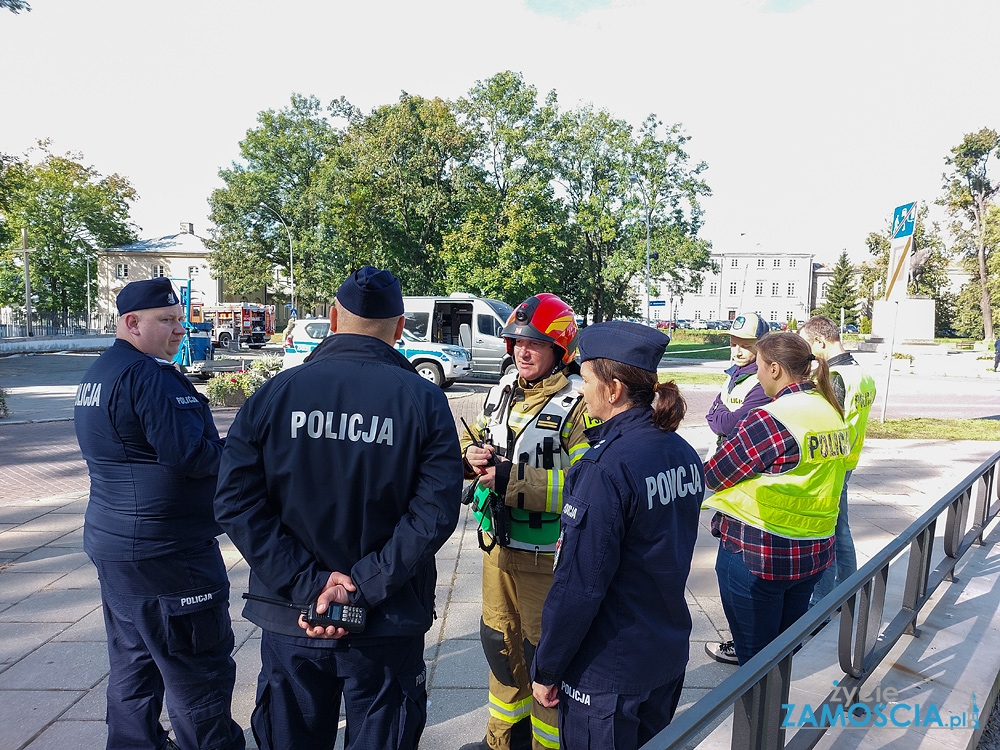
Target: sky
column 815, row 117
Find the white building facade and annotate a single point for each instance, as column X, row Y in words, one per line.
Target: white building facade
column 778, row 287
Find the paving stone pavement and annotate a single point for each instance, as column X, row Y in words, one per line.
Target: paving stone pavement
column 53, row 659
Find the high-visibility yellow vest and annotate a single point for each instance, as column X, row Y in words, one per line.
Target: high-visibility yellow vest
column 733, row 399
column 801, row 503
column 859, row 397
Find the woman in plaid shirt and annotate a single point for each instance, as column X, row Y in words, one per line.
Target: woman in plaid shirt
column 777, row 485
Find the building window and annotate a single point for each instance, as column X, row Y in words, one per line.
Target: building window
column 824, row 289
column 774, row 288
column 760, row 262
column 791, row 262
column 760, row 288
column 734, row 263
column 121, row 270
column 777, row 262
column 713, row 288
column 732, row 288
column 774, row 316
column 697, row 314
column 159, row 272
column 789, row 315
column 791, row 288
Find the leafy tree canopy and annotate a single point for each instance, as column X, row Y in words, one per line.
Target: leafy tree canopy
column 70, row 211
column 969, row 190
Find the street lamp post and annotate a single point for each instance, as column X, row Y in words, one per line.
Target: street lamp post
column 635, row 181
column 291, row 260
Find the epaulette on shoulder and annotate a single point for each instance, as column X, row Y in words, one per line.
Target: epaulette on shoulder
column 596, row 450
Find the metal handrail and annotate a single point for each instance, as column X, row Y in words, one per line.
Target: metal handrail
column 757, row 690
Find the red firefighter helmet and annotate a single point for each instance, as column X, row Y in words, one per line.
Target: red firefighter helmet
column 543, row 317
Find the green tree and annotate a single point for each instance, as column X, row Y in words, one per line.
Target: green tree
column 967, row 317
column 512, row 230
column 70, row 211
column 670, row 189
column 393, row 190
column 969, row 193
column 279, row 175
column 840, row 294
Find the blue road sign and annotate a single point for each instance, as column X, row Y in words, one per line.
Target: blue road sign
column 657, row 303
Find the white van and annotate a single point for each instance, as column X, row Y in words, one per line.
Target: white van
column 464, row 320
column 441, row 364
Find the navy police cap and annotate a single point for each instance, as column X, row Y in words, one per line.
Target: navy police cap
column 621, row 341
column 371, row 293
column 146, row 294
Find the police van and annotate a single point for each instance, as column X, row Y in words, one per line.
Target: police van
column 441, row 364
column 464, row 320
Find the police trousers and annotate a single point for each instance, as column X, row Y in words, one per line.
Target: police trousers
column 592, row 720
column 382, row 681
column 515, row 584
column 168, row 626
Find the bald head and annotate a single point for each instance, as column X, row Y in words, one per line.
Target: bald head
column 388, row 330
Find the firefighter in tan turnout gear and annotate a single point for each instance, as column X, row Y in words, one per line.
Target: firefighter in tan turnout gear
column 528, row 435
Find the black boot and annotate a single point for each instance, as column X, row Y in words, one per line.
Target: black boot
column 520, row 735
column 481, row 745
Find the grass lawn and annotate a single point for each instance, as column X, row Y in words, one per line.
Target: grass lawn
column 934, row 429
column 698, row 345
column 693, row 378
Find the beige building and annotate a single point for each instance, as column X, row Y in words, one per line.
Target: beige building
column 178, row 257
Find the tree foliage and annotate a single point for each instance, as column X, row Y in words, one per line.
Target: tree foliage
column 499, row 194
column 277, row 180
column 70, row 211
column 841, row 294
column 969, row 192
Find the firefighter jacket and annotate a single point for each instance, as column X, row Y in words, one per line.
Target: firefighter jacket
column 540, row 429
column 350, row 463
column 615, row 619
column 153, row 453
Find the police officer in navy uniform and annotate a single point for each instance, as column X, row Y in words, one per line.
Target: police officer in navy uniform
column 153, row 453
column 340, row 480
column 615, row 626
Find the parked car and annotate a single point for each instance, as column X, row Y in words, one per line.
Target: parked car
column 442, row 364
column 851, row 328
column 699, row 325
column 302, row 339
column 776, row 326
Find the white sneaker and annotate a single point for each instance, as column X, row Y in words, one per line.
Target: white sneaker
column 724, row 652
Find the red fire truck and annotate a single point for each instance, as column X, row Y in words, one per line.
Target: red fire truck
column 246, row 322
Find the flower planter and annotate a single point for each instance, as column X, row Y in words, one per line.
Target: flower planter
column 234, row 399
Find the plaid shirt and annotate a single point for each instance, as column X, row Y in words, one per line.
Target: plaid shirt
column 762, row 445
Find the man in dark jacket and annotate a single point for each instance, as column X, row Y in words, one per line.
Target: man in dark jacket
column 340, row 480
column 153, row 453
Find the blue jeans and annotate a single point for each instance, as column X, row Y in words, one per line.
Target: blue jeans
column 758, row 610
column 846, row 563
